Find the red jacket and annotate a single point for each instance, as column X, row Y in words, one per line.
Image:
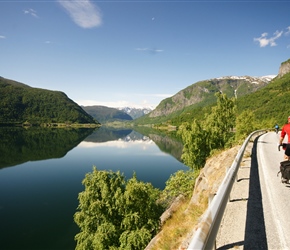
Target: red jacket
column 286, row 130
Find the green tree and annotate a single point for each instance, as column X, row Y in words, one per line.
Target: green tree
column 200, row 139
column 220, row 122
column 245, row 124
column 98, row 214
column 195, row 144
column 116, row 214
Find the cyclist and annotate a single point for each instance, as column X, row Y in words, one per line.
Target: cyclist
column 276, row 128
column 286, row 130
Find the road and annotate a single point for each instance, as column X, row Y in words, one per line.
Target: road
column 276, row 196
column 257, row 216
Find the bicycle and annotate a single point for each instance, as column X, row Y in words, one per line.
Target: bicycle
column 284, row 166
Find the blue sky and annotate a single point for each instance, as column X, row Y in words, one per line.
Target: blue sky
column 137, row 53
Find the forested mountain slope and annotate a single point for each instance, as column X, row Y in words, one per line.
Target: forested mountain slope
column 20, row 103
column 105, row 114
column 268, row 99
column 270, row 105
column 189, row 102
column 202, row 93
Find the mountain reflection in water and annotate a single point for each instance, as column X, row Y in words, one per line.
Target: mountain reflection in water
column 165, row 143
column 19, row 145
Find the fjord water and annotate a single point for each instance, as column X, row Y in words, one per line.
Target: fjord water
column 41, row 171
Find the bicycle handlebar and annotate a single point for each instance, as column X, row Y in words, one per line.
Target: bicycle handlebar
column 282, row 145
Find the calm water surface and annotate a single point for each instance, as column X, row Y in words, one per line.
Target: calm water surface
column 39, row 182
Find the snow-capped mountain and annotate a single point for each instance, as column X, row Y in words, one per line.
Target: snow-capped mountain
column 202, row 93
column 136, row 112
column 251, row 79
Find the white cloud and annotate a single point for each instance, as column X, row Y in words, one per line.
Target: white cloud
column 31, row 12
column 83, row 13
column 152, row 51
column 287, row 31
column 144, row 101
column 265, row 41
column 107, row 104
column 116, row 104
column 135, row 100
column 2, row 37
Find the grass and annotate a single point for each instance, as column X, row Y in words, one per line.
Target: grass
column 180, row 225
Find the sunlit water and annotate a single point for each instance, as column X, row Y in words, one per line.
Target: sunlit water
column 39, row 198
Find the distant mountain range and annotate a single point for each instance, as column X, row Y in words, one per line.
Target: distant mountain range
column 33, row 105
column 196, row 95
column 136, row 112
column 20, row 103
column 106, row 114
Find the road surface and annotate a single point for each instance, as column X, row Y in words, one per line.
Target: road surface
column 258, row 214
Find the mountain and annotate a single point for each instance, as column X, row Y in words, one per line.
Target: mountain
column 136, row 112
column 284, row 68
column 20, row 103
column 267, row 97
column 270, row 104
column 105, row 114
column 202, row 93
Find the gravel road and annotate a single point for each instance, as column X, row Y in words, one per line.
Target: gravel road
column 257, row 216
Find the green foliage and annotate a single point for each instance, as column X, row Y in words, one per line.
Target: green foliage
column 179, row 183
column 245, row 124
column 20, row 103
column 195, row 144
column 215, row 132
column 270, row 104
column 220, row 122
column 116, row 214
